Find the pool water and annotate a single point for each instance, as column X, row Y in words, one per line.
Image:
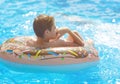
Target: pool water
column 95, row 19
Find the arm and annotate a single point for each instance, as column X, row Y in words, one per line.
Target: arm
column 77, row 39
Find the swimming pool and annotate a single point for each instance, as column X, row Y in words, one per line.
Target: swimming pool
column 96, row 19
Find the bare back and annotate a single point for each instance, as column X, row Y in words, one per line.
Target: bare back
column 27, row 42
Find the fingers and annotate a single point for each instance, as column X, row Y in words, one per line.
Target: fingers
column 58, row 36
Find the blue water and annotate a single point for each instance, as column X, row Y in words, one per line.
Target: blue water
column 95, row 19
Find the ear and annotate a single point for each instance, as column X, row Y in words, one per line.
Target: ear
column 46, row 32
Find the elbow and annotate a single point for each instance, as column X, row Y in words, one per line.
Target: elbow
column 82, row 44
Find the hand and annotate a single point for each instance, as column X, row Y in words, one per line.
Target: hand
column 61, row 32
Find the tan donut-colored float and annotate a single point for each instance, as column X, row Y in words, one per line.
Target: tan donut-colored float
column 59, row 59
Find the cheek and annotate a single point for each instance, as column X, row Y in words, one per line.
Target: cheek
column 51, row 35
column 54, row 35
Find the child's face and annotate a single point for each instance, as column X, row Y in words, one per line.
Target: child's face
column 51, row 34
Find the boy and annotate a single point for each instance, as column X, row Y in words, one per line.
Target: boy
column 48, row 35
